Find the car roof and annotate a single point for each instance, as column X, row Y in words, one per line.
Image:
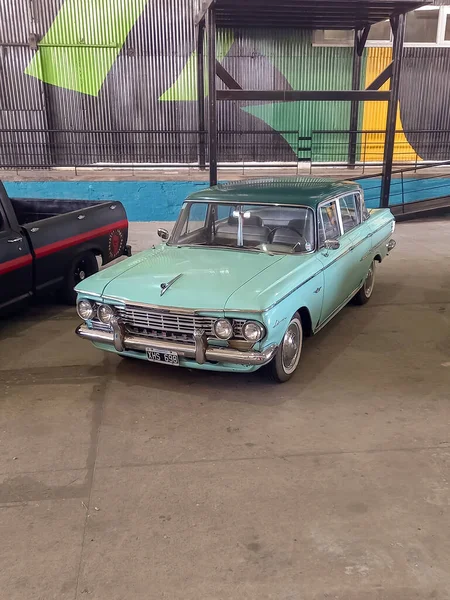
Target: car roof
column 307, row 191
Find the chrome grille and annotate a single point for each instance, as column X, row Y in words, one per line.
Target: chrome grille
column 100, row 326
column 143, row 321
column 178, row 323
column 238, row 324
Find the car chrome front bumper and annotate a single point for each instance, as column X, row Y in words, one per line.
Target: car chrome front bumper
column 200, row 351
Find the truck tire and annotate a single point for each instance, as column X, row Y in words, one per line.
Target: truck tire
column 84, row 265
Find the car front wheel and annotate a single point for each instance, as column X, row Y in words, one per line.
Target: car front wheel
column 288, row 354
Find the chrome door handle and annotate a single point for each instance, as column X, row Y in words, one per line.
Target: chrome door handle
column 14, row 240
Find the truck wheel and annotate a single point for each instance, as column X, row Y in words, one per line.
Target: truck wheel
column 82, row 266
column 365, row 293
column 288, row 354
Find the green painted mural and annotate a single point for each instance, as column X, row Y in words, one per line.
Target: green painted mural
column 184, row 88
column 83, row 43
column 115, row 81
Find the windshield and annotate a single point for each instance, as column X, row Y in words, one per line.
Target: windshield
column 262, row 228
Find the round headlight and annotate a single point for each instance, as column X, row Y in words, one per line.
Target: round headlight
column 85, row 309
column 223, row 329
column 105, row 313
column 253, row 331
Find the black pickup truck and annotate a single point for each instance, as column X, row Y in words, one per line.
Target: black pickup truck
column 51, row 245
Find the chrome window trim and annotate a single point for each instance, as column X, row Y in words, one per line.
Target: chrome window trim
column 357, row 210
column 319, row 206
column 228, row 202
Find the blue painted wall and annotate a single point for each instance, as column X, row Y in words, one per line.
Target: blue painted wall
column 161, row 200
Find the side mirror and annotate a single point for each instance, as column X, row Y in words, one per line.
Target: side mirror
column 163, row 233
column 331, row 244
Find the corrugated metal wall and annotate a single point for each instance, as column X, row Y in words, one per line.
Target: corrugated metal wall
column 115, row 82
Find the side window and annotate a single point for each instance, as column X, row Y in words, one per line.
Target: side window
column 196, row 219
column 349, row 212
column 365, row 214
column 328, row 223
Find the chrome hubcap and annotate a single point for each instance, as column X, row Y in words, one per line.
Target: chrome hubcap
column 370, row 280
column 291, row 347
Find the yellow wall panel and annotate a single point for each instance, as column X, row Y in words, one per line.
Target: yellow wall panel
column 375, row 114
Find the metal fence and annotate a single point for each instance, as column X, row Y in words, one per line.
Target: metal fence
column 336, row 147
column 45, row 149
column 28, row 148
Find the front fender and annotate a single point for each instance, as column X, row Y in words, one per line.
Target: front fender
column 309, row 295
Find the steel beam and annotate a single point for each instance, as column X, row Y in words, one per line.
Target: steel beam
column 200, row 16
column 308, row 95
column 354, row 108
column 228, row 79
column 361, row 39
column 381, row 79
column 212, row 105
column 398, row 28
column 201, row 94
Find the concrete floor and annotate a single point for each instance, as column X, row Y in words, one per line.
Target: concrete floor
column 127, row 480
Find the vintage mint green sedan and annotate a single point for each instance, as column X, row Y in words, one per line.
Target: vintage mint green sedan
column 249, row 270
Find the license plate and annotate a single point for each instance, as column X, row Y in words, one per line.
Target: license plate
column 170, row 358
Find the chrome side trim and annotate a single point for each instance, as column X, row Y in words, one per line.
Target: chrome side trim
column 293, row 290
column 196, row 311
column 370, row 234
column 211, row 353
column 336, row 310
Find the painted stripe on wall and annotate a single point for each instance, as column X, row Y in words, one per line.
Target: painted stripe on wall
column 161, row 200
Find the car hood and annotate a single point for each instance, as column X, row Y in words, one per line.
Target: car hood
column 207, row 277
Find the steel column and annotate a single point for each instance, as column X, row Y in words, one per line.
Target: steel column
column 398, row 28
column 212, row 105
column 354, row 108
column 201, row 94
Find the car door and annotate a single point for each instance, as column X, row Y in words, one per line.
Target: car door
column 352, row 214
column 16, row 264
column 339, row 264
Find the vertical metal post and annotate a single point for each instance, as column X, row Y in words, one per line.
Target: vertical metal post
column 354, row 108
column 398, row 29
column 212, row 129
column 201, row 94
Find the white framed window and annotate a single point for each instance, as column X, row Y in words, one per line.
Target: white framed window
column 428, row 26
column 444, row 26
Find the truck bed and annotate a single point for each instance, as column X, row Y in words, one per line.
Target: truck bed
column 31, row 210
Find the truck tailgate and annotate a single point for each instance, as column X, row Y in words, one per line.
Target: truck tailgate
column 101, row 228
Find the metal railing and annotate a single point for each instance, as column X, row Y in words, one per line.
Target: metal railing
column 418, row 183
column 336, row 147
column 45, row 149
column 32, row 149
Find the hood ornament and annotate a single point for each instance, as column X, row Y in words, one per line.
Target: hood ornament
column 166, row 286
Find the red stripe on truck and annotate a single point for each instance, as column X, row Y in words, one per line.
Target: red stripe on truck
column 78, row 239
column 15, row 263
